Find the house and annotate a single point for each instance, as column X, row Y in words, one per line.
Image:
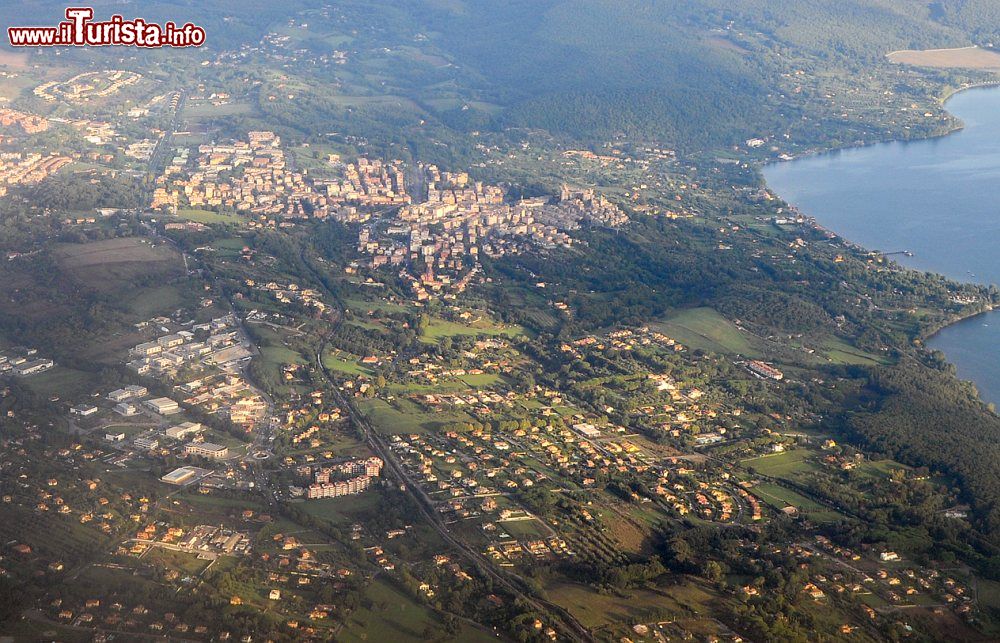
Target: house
column 114, row 437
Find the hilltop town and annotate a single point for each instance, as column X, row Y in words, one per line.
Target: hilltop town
column 325, row 335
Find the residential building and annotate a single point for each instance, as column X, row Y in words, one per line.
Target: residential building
column 206, row 450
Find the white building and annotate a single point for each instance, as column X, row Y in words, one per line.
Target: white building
column 34, row 366
column 126, row 408
column 84, row 410
column 147, row 443
column 127, row 393
column 163, row 406
column 206, row 450
column 181, row 431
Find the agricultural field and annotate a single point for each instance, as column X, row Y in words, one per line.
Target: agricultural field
column 115, row 263
column 205, row 110
column 183, row 562
column 629, row 606
column 958, row 58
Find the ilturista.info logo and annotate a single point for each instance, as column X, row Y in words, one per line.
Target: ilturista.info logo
column 81, row 30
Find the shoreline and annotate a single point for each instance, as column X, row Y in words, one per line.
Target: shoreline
column 922, row 339
column 951, row 92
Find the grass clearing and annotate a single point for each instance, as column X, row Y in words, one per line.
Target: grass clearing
column 780, row 497
column 838, row 351
column 788, row 464
column 390, row 615
column 708, row 330
column 342, row 511
column 403, row 416
column 595, row 610
column 439, row 328
column 209, row 217
column 156, row 301
column 59, row 381
column 337, row 360
column 114, row 264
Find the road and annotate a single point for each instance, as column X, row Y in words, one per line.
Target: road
column 567, row 623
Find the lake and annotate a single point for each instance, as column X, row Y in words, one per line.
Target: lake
column 938, row 198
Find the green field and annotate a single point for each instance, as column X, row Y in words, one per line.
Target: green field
column 59, row 381
column 345, row 363
column 788, row 464
column 780, row 497
column 524, row 529
column 840, row 352
column 151, row 302
column 391, row 615
column 706, row 329
column 596, row 610
column 406, row 417
column 481, row 380
column 181, row 561
column 209, row 217
column 346, row 510
column 438, row 329
column 229, row 247
column 278, row 356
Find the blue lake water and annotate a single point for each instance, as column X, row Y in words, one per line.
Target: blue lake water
column 939, row 199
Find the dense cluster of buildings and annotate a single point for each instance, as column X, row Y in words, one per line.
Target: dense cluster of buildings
column 213, row 349
column 344, row 479
column 289, row 293
column 23, row 362
column 253, row 177
column 29, row 123
column 167, row 354
column 26, row 168
column 437, row 243
column 88, row 85
column 208, row 450
column 226, row 394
